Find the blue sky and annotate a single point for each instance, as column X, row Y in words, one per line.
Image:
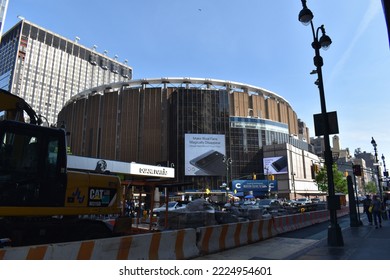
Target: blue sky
column 257, row 42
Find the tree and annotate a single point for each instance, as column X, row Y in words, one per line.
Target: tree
column 370, row 187
column 358, row 151
column 340, row 182
column 322, row 180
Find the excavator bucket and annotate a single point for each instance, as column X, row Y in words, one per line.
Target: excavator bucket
column 13, row 107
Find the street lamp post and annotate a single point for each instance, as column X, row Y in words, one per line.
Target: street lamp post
column 268, row 188
column 385, row 173
column 335, row 237
column 293, row 185
column 228, row 162
column 377, row 166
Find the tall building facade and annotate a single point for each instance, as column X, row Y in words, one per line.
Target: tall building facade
column 47, row 69
column 211, row 131
column 3, row 12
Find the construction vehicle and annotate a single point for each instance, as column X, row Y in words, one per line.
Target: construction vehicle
column 41, row 201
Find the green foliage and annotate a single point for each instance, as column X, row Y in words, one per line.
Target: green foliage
column 370, row 187
column 340, row 182
column 322, row 180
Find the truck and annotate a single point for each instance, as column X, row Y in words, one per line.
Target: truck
column 41, row 201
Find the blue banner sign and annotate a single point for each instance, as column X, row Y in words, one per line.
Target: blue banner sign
column 254, row 186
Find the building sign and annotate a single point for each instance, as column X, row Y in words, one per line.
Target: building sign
column 204, row 155
column 151, row 170
column 259, row 124
column 257, row 187
column 118, row 167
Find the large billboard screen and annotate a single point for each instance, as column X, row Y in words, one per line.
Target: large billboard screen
column 204, row 154
column 275, row 165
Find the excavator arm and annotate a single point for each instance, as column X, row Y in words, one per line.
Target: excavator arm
column 14, row 108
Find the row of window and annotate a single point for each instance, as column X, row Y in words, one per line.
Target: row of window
column 73, row 49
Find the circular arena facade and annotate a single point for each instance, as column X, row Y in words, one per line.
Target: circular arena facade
column 212, row 131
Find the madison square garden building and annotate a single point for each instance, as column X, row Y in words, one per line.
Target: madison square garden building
column 210, row 131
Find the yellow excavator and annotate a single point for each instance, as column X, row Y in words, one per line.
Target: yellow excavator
column 40, row 200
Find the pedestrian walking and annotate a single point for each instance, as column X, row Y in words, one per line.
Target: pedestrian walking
column 388, row 207
column 377, row 211
column 366, row 208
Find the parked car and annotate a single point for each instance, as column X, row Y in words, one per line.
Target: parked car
column 289, row 202
column 315, row 200
column 303, row 201
column 173, row 205
column 269, row 204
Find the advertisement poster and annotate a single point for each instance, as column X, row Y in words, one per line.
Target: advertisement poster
column 275, row 165
column 204, row 155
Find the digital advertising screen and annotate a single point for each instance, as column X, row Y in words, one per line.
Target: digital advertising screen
column 204, row 155
column 275, row 165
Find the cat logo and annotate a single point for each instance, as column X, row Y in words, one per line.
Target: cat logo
column 96, row 194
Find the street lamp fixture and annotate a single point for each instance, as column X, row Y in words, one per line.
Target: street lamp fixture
column 385, row 172
column 305, row 16
column 373, row 143
column 335, row 237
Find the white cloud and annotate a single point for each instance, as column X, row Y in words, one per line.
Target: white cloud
column 374, row 8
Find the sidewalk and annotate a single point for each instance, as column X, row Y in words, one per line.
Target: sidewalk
column 360, row 243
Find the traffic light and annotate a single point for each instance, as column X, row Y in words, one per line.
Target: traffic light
column 315, row 169
column 254, row 176
column 357, row 170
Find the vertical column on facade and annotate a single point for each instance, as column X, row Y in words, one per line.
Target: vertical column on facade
column 84, row 127
column 118, row 123
column 164, row 121
column 99, row 127
column 141, row 121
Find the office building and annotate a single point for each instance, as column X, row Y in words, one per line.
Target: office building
column 47, row 69
column 3, row 12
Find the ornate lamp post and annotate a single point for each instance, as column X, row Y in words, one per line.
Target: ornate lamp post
column 384, row 166
column 373, row 142
column 385, row 172
column 335, row 237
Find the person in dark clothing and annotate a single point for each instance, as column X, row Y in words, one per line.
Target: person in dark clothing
column 377, row 210
column 366, row 205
